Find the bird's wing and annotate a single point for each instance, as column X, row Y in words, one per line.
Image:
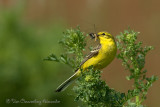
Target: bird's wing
column 93, row 53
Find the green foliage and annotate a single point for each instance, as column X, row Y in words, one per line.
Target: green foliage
column 73, row 44
column 133, row 56
column 73, row 41
column 93, row 91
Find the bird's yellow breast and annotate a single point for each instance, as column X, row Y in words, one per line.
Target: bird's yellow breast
column 105, row 56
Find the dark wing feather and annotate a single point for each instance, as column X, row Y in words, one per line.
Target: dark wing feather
column 93, row 53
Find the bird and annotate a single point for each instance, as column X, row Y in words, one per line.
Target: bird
column 99, row 57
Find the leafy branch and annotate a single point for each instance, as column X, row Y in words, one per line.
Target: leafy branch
column 133, row 56
column 93, row 91
column 73, row 44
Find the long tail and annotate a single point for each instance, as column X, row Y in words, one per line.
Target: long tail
column 66, row 83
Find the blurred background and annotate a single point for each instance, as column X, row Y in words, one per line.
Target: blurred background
column 30, row 29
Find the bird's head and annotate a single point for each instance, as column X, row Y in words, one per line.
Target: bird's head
column 101, row 35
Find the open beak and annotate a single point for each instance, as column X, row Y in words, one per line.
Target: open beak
column 94, row 36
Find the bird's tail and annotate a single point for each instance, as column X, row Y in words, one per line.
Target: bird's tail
column 66, row 83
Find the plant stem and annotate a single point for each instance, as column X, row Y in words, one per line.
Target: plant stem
column 137, row 101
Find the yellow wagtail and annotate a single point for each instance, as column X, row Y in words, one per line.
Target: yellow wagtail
column 99, row 58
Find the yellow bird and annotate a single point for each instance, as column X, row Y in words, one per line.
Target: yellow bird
column 99, row 58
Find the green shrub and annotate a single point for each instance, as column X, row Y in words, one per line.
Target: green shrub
column 93, row 91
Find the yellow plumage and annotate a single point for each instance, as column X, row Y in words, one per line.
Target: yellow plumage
column 98, row 58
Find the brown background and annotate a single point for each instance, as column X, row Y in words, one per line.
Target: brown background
column 113, row 16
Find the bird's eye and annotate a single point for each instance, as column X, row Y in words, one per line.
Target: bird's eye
column 103, row 33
